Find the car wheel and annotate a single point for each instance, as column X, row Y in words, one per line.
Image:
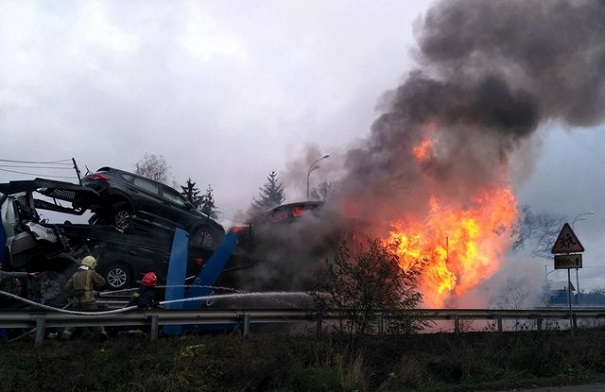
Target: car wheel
column 121, row 216
column 118, row 277
column 206, row 237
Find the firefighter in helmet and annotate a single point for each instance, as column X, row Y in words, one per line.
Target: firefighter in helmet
column 144, row 297
column 81, row 292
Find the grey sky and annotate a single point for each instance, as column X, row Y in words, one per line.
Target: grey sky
column 225, row 91
column 228, row 91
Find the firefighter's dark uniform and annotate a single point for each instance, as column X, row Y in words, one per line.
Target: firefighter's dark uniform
column 144, row 298
column 80, row 288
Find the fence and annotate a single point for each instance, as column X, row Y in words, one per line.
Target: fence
column 243, row 319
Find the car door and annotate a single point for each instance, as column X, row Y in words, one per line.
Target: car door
column 149, row 204
column 177, row 208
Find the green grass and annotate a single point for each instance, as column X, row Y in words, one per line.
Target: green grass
column 422, row 362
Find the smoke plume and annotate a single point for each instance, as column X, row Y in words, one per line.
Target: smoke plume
column 489, row 73
column 434, row 174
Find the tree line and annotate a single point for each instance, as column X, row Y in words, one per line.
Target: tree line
column 271, row 193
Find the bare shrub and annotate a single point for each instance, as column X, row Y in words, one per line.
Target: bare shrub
column 367, row 279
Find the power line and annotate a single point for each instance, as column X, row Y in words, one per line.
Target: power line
column 38, row 167
column 60, row 162
column 32, row 174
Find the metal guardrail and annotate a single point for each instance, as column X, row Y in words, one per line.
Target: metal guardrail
column 244, row 318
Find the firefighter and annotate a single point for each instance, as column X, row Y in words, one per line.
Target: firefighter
column 81, row 293
column 144, row 297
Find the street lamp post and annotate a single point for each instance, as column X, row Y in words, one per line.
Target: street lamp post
column 546, row 273
column 579, row 217
column 313, row 167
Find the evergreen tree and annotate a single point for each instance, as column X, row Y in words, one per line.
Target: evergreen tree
column 192, row 193
column 271, row 194
column 207, row 203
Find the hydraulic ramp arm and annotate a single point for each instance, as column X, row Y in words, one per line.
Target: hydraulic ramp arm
column 207, row 277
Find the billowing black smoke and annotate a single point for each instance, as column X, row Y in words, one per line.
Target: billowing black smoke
column 489, row 73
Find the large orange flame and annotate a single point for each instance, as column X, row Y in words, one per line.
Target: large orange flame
column 458, row 247
column 421, row 152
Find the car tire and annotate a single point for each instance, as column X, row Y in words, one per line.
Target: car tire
column 206, row 237
column 121, row 216
column 117, row 277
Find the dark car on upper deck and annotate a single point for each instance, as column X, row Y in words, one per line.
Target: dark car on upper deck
column 275, row 218
column 281, row 248
column 35, row 236
column 132, row 202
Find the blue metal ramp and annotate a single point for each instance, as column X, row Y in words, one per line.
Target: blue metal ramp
column 202, row 284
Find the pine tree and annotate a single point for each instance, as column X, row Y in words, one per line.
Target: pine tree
column 207, row 203
column 271, row 193
column 192, row 193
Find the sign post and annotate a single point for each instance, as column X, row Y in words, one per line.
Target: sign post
column 567, row 250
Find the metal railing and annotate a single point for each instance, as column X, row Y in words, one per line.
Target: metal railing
column 243, row 319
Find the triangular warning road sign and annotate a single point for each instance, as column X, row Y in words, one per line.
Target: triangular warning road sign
column 567, row 242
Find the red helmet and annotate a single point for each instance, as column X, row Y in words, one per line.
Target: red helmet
column 150, row 279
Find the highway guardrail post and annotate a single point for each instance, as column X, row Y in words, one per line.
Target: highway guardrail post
column 246, row 324
column 40, row 330
column 154, row 327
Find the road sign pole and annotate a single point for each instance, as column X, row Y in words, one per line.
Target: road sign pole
column 569, row 300
column 567, row 249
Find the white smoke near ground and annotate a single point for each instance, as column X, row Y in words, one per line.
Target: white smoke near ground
column 285, row 256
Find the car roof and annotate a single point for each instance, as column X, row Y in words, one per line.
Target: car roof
column 108, row 168
column 306, row 204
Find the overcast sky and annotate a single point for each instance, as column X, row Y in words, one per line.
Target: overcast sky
column 227, row 91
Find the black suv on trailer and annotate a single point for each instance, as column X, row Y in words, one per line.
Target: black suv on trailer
column 131, row 202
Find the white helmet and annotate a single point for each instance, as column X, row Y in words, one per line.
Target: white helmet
column 90, row 262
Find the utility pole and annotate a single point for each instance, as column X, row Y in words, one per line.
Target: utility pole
column 77, row 170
